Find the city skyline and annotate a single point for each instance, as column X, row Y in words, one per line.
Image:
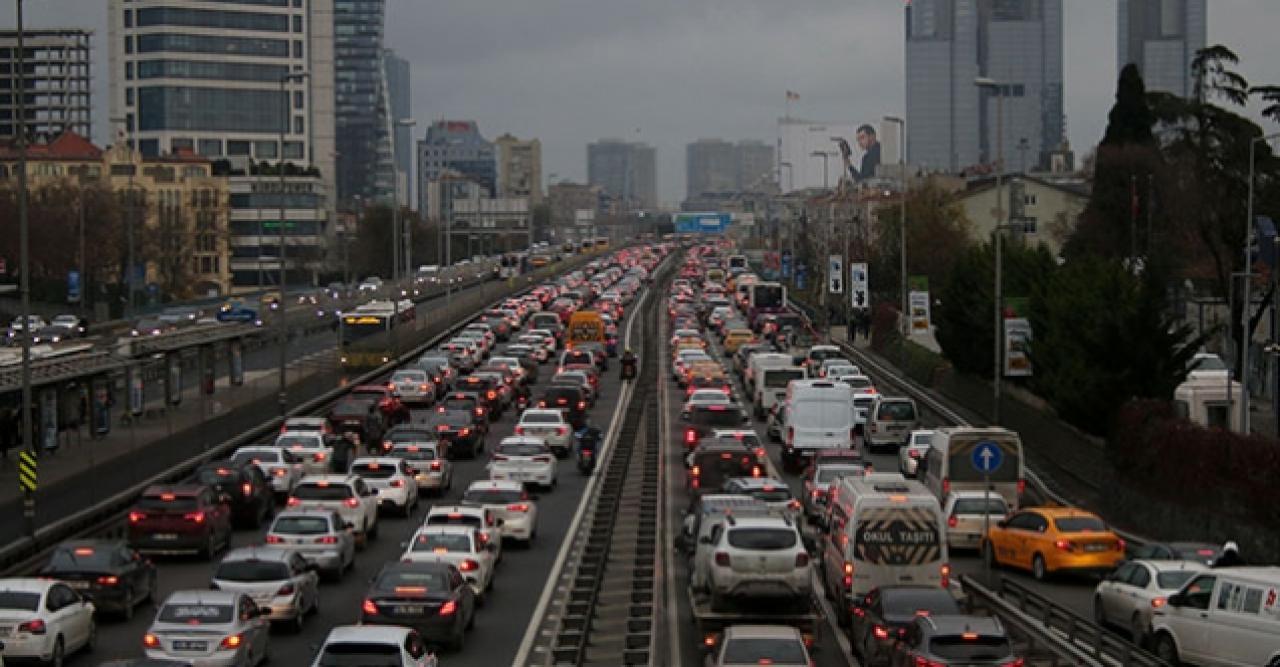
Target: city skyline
column 583, row 100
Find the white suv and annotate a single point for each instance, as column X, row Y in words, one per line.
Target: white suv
column 392, row 478
column 752, row 557
column 348, row 495
column 460, row 546
column 548, row 425
column 510, row 503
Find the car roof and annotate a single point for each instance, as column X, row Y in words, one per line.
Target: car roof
column 522, row 440
column 26, row 584
column 1062, row 512
column 455, row 509
column 388, row 634
column 499, row 484
column 175, row 489
column 202, row 596
column 257, row 553
column 761, row 631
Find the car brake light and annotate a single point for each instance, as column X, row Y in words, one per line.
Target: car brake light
column 246, row 489
column 465, row 432
column 519, row 430
column 108, row 580
column 318, row 457
column 1064, row 545
column 848, row 575
column 793, row 504
column 286, row 589
column 279, row 472
column 1016, row 662
column 397, row 483
column 1120, row 544
column 369, row 607
column 722, row 559
column 435, row 466
column 231, row 641
column 561, row 430
column 690, row 437
column 542, row 459
column 326, row 539
column 802, row 559
column 518, row 507
column 448, row 608
column 946, row 486
column 952, row 521
column 468, row 565
column 196, row 517
column 492, row 395
column 351, row 502
column 945, row 570
column 150, row 641
column 1022, row 486
column 880, row 632
column 292, row 502
column 135, row 517
column 791, row 435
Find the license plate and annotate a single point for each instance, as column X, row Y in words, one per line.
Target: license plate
column 180, row 645
column 409, row 609
column 78, row 584
column 165, row 536
column 1096, row 547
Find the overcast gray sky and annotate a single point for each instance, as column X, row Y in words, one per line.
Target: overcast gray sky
column 671, row 71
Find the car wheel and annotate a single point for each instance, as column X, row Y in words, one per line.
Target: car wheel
column 208, row 550
column 1037, row 567
column 471, row 620
column 1099, row 616
column 59, row 654
column 1167, row 651
column 298, row 624
column 151, row 590
column 373, row 532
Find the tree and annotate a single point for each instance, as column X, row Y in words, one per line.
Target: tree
column 1129, row 346
column 371, row 251
column 1130, row 119
column 937, row 234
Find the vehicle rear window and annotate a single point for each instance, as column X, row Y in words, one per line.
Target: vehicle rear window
column 431, row 581
column 1173, row 579
column 351, row 654
column 252, row 570
column 779, row 379
column 459, row 404
column 218, row 476
column 374, row 470
column 301, row 525
column 763, row 539
column 751, row 651
column 256, row 457
column 410, row 436
column 80, row 558
column 826, row 475
column 195, row 614
column 978, row 648
column 442, row 542
column 414, row 453
column 305, row 442
column 492, row 497
column 351, row 408
column 907, row 601
column 995, row 506
column 167, row 503
column 708, row 416
column 19, row 600
column 775, row 495
column 541, row 418
column 453, row 520
column 1079, row 524
column 317, row 492
column 897, row 411
column 521, row 449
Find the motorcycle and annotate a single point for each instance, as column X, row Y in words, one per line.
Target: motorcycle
column 628, row 370
column 586, row 461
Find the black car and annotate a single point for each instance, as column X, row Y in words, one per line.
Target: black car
column 465, row 400
column 486, row 387
column 109, row 572
column 431, row 598
column 716, row 460
column 360, row 417
column 885, row 614
column 572, row 401
column 702, row 420
column 456, row 428
column 251, row 498
column 1201, row 552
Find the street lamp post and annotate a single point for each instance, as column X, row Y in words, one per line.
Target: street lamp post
column 791, row 175
column 282, row 399
column 902, row 221
column 129, row 213
column 997, row 88
column 24, row 272
column 1244, row 309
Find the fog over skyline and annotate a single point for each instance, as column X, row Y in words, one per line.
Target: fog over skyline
column 668, row 72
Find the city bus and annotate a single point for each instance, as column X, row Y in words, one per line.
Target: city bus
column 585, row 326
column 365, row 333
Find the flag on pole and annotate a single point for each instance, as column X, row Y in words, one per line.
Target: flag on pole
column 792, row 96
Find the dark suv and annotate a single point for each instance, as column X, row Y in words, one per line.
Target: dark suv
column 572, row 401
column 703, row 419
column 887, row 612
column 487, row 389
column 456, row 428
column 243, row 483
column 360, row 417
column 716, row 460
column 465, row 400
column 972, row 641
column 181, row 518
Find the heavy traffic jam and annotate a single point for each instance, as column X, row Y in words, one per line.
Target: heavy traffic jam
column 817, row 516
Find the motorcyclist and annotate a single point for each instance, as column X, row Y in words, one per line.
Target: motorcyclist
column 628, row 364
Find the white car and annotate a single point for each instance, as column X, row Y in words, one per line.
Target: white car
column 773, row 492
column 479, row 518
column 541, row 352
column 306, row 425
column 322, row 537
column 509, row 502
column 550, row 426
column 524, row 459
column 916, row 448
column 1128, row 596
column 348, row 495
column 389, row 645
column 413, row 387
column 704, row 397
column 548, row 340
column 433, row 472
column 312, row 448
column 278, row 580
column 460, row 546
column 370, row 284
column 283, row 468
column 213, row 628
column 752, row 556
column 44, row 619
column 392, row 478
column 965, row 517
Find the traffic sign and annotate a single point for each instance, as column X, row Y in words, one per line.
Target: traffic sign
column 835, row 274
column 858, row 284
column 27, row 479
column 987, row 457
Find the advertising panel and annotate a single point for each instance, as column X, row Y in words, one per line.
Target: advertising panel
column 835, row 274
column 860, row 297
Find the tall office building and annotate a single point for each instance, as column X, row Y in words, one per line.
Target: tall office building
column 519, row 166
column 625, row 171
column 1161, row 37
column 399, row 92
column 56, row 72
column 952, row 122
column 361, row 105
column 710, row 165
column 455, row 146
column 755, row 166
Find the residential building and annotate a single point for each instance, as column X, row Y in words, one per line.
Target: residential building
column 950, row 43
column 362, row 107
column 1161, row 37
column 257, row 203
column 625, row 171
column 519, row 166
column 756, row 169
column 1039, row 211
column 455, row 145
column 179, row 205
column 225, row 79
column 711, row 165
column 399, row 92
column 491, row 225
column 56, row 64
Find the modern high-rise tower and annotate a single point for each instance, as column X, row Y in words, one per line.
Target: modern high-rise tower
column 625, row 171
column 1161, row 37
column 951, row 122
column 57, row 81
column 363, row 117
column 399, row 92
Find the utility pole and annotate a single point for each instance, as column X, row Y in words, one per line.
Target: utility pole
column 997, row 88
column 282, row 399
column 24, row 271
column 902, row 233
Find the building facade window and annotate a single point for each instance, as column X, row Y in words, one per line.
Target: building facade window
column 209, row 18
column 211, row 44
column 208, row 109
column 196, row 69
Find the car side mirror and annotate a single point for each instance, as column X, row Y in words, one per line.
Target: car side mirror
column 1177, row 600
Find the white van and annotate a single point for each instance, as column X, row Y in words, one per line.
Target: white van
column 949, row 464
column 772, row 387
column 819, row 415
column 1224, row 616
column 882, row 529
column 890, row 421
column 762, row 360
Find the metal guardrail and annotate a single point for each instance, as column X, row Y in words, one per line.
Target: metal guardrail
column 1027, row 628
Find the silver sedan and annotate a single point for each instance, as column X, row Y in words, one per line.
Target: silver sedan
column 281, row 582
column 209, row 628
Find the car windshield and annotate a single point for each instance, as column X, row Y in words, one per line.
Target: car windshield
column 19, row 600
column 541, row 418
column 1174, row 579
column 351, row 408
column 252, row 570
column 256, row 456
column 763, row 539
column 995, row 506
column 318, row 492
column 374, row 470
column 301, row 525
column 442, row 542
column 398, row 580
column 80, row 558
column 970, row 648
column 492, row 496
column 195, row 613
column 361, row 654
column 1080, row 524
column 764, row 651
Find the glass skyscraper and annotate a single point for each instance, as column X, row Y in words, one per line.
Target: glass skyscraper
column 951, row 123
column 625, row 171
column 361, row 104
column 1161, row 37
column 399, row 92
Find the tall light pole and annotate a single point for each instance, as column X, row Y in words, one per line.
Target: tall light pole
column 997, row 88
column 826, row 183
column 282, row 399
column 24, row 274
column 902, row 221
column 1248, row 270
column 129, row 213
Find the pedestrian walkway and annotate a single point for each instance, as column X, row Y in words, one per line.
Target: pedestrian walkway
column 79, row 452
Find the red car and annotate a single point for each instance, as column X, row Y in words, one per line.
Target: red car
column 390, row 404
column 186, row 518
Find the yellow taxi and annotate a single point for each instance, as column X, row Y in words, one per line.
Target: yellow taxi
column 1045, row 540
column 735, row 338
column 688, row 343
